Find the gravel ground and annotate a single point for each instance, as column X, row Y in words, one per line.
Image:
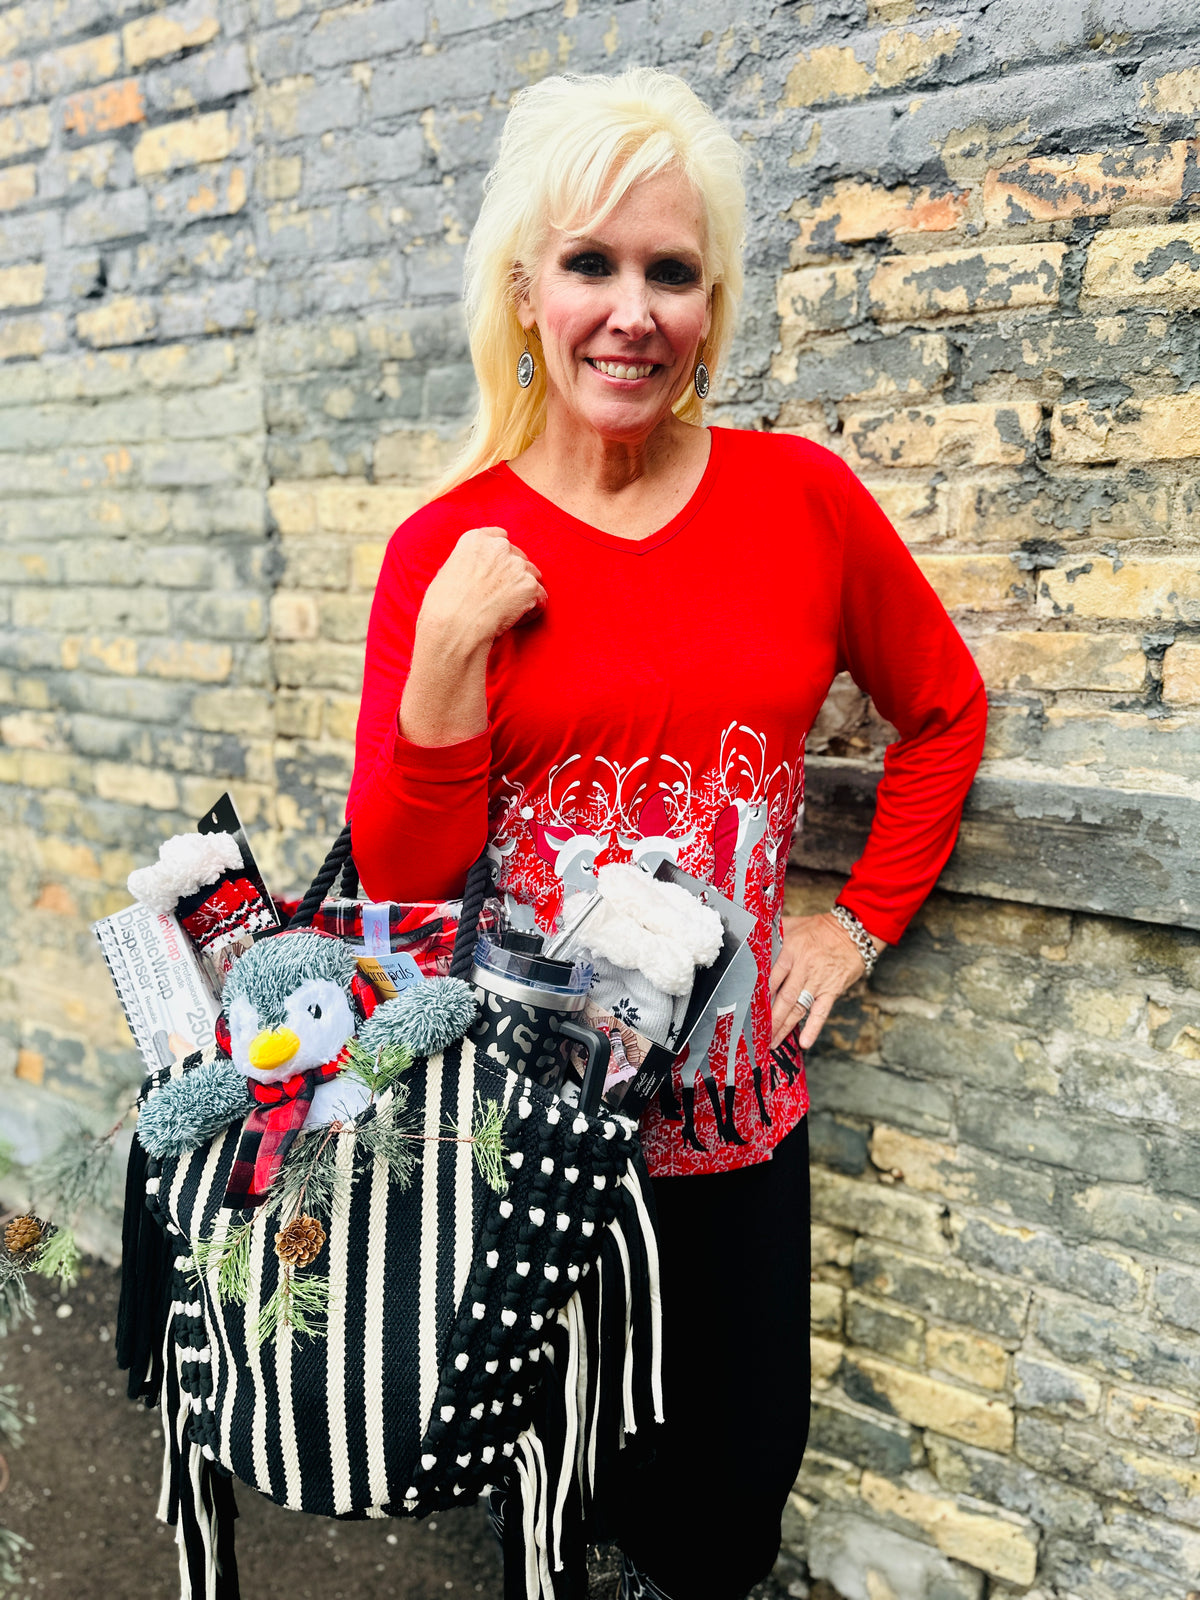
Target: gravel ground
column 84, row 1487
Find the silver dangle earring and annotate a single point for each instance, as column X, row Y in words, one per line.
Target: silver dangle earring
column 701, row 380
column 525, row 366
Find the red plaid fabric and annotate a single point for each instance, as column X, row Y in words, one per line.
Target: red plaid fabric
column 268, row 1132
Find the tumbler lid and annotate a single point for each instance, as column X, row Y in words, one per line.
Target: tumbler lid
column 518, row 957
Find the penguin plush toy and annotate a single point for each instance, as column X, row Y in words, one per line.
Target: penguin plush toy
column 292, row 1005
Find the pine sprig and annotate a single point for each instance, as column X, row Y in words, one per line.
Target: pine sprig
column 60, row 1258
column 377, row 1070
column 299, row 1303
column 487, row 1143
column 16, row 1303
column 310, row 1176
column 12, row 1547
column 78, row 1172
column 389, row 1136
column 12, row 1419
column 230, row 1257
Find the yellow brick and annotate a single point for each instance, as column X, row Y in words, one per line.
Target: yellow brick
column 23, row 131
column 920, row 1163
column 18, row 185
column 21, row 336
column 30, row 730
column 814, row 299
column 298, row 715
column 832, row 72
column 903, row 55
column 366, row 560
column 194, row 659
column 1151, row 1422
column 220, row 194
column 245, row 711
column 22, row 286
column 1004, row 1546
column 973, row 435
column 294, row 508
column 826, row 1356
column 136, row 786
column 961, row 281
column 825, row 1307
column 365, row 509
column 1175, row 91
column 282, row 100
column 1181, row 675
column 966, row 1356
column 92, row 163
column 928, row 1403
column 281, row 177
column 1145, row 590
column 92, row 61
column 181, row 28
column 30, row 1067
column 916, row 510
column 1061, row 661
column 66, row 859
column 1160, row 264
column 116, row 105
column 414, row 456
column 341, row 717
column 16, row 83
column 851, row 212
column 1001, row 512
column 1046, row 188
column 124, row 320
column 294, row 616
column 184, row 144
column 50, row 769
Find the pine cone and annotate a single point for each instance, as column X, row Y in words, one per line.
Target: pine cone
column 299, row 1244
column 22, row 1235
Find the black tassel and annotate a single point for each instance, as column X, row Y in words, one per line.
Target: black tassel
column 146, row 1263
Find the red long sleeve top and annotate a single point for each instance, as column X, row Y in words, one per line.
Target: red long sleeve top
column 665, row 693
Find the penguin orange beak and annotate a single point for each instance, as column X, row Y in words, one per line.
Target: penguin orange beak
column 272, row 1048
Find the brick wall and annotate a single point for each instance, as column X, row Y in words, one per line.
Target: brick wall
column 231, row 360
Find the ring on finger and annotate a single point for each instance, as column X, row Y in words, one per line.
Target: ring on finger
column 804, row 1001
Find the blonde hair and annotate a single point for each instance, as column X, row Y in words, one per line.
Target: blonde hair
column 572, row 148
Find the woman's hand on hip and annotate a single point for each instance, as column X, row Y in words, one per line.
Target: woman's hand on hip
column 486, row 586
column 818, row 956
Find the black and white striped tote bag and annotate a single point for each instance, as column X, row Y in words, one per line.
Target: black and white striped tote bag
column 475, row 1338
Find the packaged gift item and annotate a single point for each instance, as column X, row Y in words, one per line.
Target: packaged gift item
column 210, row 881
column 659, row 946
column 168, row 999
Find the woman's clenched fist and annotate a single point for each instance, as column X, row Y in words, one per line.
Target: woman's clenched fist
column 486, row 586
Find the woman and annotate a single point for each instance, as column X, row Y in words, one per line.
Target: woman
column 618, row 625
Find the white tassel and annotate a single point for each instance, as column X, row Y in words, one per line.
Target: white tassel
column 527, row 1477
column 594, row 1423
column 542, row 1525
column 650, row 1243
column 568, row 1319
column 628, row 1415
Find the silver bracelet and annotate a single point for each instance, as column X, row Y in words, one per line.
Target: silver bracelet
column 863, row 942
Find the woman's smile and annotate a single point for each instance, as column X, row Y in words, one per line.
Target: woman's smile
column 627, row 371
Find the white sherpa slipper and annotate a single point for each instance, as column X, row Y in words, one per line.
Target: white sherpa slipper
column 185, row 863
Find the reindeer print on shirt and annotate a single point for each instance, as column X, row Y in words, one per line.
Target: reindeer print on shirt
column 731, row 826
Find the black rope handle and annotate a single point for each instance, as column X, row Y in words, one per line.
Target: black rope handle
column 476, row 890
column 340, row 859
column 318, row 889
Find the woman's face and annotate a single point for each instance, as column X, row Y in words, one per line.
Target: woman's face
column 622, row 311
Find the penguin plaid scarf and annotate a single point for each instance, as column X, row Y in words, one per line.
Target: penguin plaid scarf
column 268, row 1132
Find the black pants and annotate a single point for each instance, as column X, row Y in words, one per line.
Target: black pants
column 701, row 1517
